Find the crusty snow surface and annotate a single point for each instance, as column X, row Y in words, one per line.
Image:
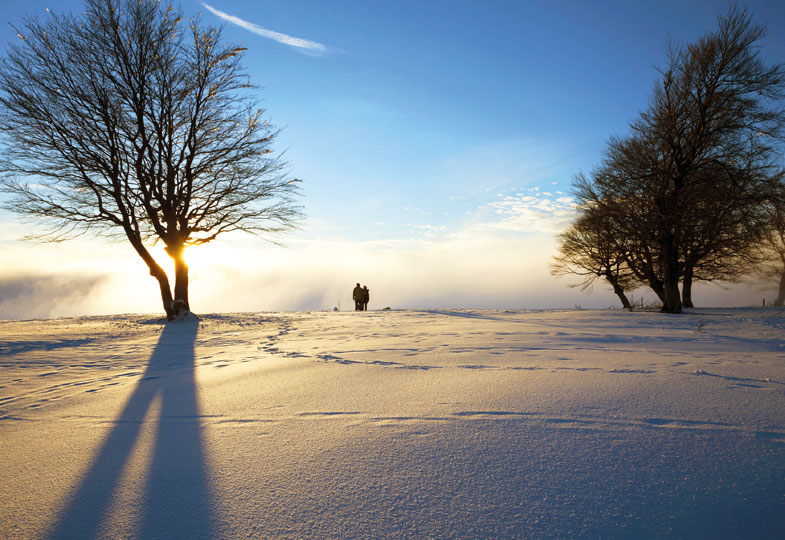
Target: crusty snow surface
column 395, row 424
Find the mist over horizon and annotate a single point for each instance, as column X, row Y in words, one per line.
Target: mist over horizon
column 225, row 290
column 497, row 258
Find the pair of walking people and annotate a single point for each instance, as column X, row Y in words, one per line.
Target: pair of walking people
column 360, row 295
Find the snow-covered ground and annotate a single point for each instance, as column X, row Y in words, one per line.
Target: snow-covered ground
column 395, row 424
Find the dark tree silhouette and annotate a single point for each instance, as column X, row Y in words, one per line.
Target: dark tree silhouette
column 711, row 130
column 722, row 225
column 127, row 122
column 686, row 190
column 592, row 249
column 721, row 216
column 619, row 189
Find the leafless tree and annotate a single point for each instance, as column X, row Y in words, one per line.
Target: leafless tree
column 722, row 225
column 686, row 190
column 128, row 122
column 721, row 216
column 592, row 249
column 620, row 189
column 715, row 119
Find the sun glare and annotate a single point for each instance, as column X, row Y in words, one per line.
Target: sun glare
column 199, row 258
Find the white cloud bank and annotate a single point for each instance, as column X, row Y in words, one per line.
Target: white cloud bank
column 303, row 45
column 42, row 296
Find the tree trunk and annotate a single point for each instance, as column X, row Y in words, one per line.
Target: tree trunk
column 166, row 293
column 667, row 236
column 177, row 253
column 181, row 282
column 159, row 274
column 643, row 269
column 671, row 299
column 780, row 300
column 658, row 289
column 619, row 290
column 686, row 288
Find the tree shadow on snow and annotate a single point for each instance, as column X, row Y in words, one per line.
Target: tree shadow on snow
column 175, row 501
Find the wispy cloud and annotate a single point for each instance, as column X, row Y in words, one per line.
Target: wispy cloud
column 529, row 211
column 303, row 45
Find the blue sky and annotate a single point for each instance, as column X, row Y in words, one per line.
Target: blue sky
column 436, row 141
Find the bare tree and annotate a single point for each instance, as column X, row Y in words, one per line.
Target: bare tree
column 127, row 122
column 686, row 190
column 714, row 118
column 722, row 225
column 620, row 191
column 592, row 249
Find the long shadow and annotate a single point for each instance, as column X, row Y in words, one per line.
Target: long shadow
column 176, row 498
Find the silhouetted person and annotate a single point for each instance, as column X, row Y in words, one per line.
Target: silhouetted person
column 357, row 296
column 366, row 297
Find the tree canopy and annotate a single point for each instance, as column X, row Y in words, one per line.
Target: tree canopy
column 127, row 121
column 688, row 189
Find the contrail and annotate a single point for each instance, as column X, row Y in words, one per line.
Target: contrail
column 305, row 45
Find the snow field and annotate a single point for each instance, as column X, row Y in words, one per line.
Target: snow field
column 399, row 424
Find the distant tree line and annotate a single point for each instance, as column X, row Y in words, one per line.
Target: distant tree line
column 695, row 192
